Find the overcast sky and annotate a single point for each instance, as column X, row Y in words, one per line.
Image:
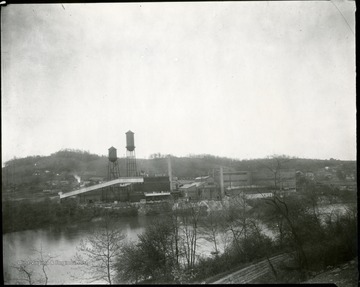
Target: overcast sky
column 236, row 79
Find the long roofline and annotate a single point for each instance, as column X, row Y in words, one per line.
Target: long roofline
column 102, row 185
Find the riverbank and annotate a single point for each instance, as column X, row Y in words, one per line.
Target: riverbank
column 26, row 215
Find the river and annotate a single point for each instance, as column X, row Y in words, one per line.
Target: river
column 62, row 243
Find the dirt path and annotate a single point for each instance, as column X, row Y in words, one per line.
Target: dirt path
column 250, row 273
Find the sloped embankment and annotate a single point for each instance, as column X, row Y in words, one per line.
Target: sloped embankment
column 252, row 272
column 345, row 275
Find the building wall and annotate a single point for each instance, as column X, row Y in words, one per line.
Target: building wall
column 234, row 192
column 193, row 194
column 159, row 183
column 111, row 195
column 210, row 194
column 240, row 178
column 288, row 179
column 263, row 178
column 284, row 178
column 202, row 193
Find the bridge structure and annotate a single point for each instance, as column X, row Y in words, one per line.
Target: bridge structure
column 119, row 181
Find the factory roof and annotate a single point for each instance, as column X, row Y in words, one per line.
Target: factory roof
column 102, row 185
column 156, row 193
column 190, row 185
column 202, row 177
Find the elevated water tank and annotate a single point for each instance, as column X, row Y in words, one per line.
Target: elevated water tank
column 112, row 154
column 130, row 145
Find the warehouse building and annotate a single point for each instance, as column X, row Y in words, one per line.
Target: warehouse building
column 122, row 190
column 202, row 188
column 236, row 182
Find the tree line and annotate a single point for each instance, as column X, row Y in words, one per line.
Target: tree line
column 82, row 162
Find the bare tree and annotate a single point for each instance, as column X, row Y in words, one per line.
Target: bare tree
column 257, row 231
column 100, row 251
column 282, row 207
column 237, row 222
column 27, row 273
column 44, row 262
column 275, row 167
column 229, row 226
column 212, row 226
column 175, row 225
column 190, row 224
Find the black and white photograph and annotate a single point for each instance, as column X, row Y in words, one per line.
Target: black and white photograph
column 209, row 142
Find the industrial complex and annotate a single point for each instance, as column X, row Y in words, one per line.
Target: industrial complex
column 133, row 187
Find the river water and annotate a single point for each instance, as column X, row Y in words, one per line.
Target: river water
column 62, row 242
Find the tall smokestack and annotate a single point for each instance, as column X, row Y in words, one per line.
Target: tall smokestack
column 170, row 172
column 222, row 182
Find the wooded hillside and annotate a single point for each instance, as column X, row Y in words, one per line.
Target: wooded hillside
column 64, row 164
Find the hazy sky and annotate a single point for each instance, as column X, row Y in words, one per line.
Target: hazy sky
column 235, row 79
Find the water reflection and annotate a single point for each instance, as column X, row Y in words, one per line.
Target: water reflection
column 60, row 241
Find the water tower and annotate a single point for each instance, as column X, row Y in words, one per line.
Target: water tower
column 113, row 165
column 131, row 169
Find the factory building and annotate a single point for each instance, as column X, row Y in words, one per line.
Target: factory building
column 237, row 179
column 202, row 188
column 283, row 179
column 131, row 188
column 135, row 188
column 235, row 182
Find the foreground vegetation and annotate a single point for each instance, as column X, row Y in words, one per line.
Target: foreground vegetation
column 167, row 252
